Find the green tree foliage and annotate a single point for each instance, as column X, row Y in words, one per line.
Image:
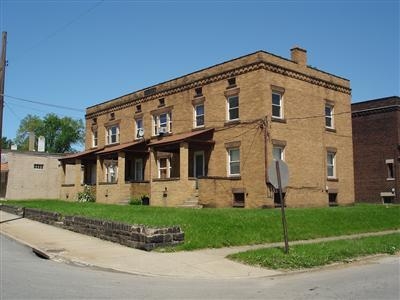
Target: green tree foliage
column 60, row 133
column 5, row 143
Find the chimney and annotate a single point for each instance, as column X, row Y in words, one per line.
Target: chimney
column 299, row 56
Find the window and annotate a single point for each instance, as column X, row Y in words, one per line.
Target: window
column 238, row 199
column 138, row 174
column 38, row 166
column 161, row 102
column 234, row 162
column 329, row 116
column 233, row 108
column 111, row 172
column 278, row 152
column 390, row 169
column 277, row 105
column 332, row 199
column 164, row 168
column 162, row 123
column 277, row 199
column 199, row 115
column 112, row 116
column 112, row 135
column 94, row 138
column 232, row 82
column 139, row 128
column 138, row 108
column 331, row 164
column 198, row 92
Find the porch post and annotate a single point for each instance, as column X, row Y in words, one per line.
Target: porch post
column 99, row 171
column 183, row 160
column 153, row 165
column 78, row 174
column 121, row 167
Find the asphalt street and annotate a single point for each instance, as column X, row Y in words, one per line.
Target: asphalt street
column 26, row 276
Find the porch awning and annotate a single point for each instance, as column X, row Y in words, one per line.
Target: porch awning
column 79, row 155
column 198, row 136
column 138, row 146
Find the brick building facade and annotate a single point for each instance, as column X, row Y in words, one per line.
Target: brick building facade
column 376, row 138
column 209, row 137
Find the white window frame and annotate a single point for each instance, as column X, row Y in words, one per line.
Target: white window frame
column 390, row 169
column 229, row 108
column 329, row 116
column 138, row 127
column 167, row 167
column 138, row 169
column 331, row 165
column 281, row 153
column 109, row 134
column 198, row 117
column 157, row 123
column 111, row 173
column 95, row 138
column 231, row 162
column 280, row 105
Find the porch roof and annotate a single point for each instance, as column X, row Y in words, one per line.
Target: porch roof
column 140, row 146
column 198, row 136
column 79, row 155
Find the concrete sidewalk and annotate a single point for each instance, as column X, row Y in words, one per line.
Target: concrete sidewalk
column 67, row 246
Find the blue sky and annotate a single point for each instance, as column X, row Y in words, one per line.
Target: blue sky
column 80, row 53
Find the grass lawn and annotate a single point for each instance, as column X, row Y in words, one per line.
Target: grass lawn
column 313, row 255
column 214, row 228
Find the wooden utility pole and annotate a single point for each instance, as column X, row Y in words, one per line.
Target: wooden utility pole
column 2, row 79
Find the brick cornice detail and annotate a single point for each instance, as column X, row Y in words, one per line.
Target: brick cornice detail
column 223, row 76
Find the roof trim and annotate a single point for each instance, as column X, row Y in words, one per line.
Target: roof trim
column 80, row 154
column 119, row 147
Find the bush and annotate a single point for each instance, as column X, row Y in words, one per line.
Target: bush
column 88, row 194
column 135, row 201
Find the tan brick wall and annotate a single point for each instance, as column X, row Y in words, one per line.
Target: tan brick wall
column 303, row 131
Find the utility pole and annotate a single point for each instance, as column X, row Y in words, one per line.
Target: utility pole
column 2, row 79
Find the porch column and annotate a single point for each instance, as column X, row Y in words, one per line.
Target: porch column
column 153, row 165
column 99, row 171
column 78, row 174
column 183, row 160
column 121, row 167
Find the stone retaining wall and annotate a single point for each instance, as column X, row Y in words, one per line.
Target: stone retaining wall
column 135, row 236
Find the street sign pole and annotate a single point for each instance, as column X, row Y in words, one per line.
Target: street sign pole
column 285, row 234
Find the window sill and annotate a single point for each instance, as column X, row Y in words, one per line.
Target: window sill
column 68, row 184
column 390, row 179
column 166, row 179
column 278, row 120
column 221, row 177
column 112, row 144
column 333, row 179
column 198, row 128
column 137, row 181
column 232, row 122
column 329, row 129
column 108, row 183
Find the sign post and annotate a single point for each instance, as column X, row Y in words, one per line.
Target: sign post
column 278, row 175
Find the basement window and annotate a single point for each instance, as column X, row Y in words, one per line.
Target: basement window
column 38, row 166
column 238, row 200
column 332, row 199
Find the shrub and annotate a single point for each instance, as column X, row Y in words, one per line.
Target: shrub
column 88, row 194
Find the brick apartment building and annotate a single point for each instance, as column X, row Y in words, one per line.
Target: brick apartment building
column 376, row 139
column 208, row 137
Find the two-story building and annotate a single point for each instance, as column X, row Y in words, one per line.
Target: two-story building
column 210, row 136
column 376, row 138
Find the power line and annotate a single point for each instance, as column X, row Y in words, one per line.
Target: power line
column 44, row 103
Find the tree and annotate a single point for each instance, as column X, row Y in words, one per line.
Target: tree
column 5, row 143
column 60, row 133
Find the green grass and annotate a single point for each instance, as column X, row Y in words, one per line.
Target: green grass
column 214, row 228
column 313, row 255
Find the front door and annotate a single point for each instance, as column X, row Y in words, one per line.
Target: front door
column 199, row 164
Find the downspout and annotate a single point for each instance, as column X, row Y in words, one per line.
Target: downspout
column 264, row 125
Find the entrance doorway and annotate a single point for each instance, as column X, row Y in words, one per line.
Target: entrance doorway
column 199, row 169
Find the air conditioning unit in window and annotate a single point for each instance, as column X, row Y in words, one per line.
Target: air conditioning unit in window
column 139, row 133
column 162, row 130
